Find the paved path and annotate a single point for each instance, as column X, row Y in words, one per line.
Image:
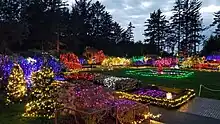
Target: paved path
column 197, row 111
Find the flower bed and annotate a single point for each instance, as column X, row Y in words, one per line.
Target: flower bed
column 164, row 74
column 153, row 93
column 117, row 83
column 157, row 96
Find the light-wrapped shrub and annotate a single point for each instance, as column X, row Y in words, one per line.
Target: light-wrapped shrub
column 117, row 83
column 116, row 61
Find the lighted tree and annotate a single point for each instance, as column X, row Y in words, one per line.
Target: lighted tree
column 70, row 60
column 43, row 96
column 99, row 57
column 16, row 88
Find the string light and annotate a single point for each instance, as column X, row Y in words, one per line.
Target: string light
column 80, row 76
column 166, row 73
column 164, row 102
column 117, row 83
column 70, row 60
column 16, row 88
column 73, row 96
column 43, row 95
column 115, row 61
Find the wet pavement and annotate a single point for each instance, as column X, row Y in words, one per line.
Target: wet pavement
column 198, row 110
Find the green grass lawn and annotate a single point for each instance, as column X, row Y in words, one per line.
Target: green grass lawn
column 12, row 114
column 208, row 79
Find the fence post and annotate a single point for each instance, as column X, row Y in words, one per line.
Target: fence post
column 200, row 88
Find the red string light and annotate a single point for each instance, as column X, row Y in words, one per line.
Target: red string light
column 70, row 60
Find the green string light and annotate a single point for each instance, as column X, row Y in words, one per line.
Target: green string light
column 176, row 74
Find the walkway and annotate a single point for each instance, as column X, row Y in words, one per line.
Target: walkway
column 199, row 110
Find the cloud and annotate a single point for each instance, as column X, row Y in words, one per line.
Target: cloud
column 145, row 4
column 210, row 9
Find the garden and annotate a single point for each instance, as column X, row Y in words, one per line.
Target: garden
column 97, row 88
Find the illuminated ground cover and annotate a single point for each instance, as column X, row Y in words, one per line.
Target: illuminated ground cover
column 165, row 73
column 160, row 96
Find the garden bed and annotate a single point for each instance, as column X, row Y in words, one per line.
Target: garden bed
column 158, row 96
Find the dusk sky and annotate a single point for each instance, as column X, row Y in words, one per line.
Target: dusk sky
column 137, row 11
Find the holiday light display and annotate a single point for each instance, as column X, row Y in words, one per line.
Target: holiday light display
column 28, row 66
column 162, row 74
column 83, row 61
column 70, row 60
column 16, row 89
column 43, row 95
column 6, row 66
column 116, row 61
column 156, row 93
column 117, row 83
column 167, row 62
column 89, row 100
column 160, row 99
column 79, row 76
column 99, row 57
column 191, row 61
column 93, row 55
column 213, row 58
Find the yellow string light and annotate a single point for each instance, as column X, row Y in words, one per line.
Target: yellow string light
column 16, row 88
column 169, row 103
column 43, row 95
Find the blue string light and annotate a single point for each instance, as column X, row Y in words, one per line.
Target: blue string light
column 30, row 65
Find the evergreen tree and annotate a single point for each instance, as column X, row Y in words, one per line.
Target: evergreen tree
column 156, row 30
column 195, row 25
column 13, row 29
column 128, row 34
column 16, row 89
column 217, row 22
column 211, row 45
column 187, row 23
column 177, row 21
column 43, row 96
column 44, row 19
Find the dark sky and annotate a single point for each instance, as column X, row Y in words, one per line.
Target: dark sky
column 137, row 11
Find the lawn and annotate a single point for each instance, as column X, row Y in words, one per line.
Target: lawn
column 12, row 114
column 208, row 79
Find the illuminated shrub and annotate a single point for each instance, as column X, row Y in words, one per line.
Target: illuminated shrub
column 43, row 97
column 16, row 88
column 70, row 60
column 114, row 61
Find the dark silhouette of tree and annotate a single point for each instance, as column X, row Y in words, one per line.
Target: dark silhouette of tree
column 211, row 45
column 217, row 23
column 177, row 21
column 42, row 25
column 128, row 34
column 156, row 30
column 187, row 23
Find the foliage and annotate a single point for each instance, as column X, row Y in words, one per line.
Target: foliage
column 211, row 46
column 187, row 24
column 16, row 89
column 42, row 102
column 70, row 60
